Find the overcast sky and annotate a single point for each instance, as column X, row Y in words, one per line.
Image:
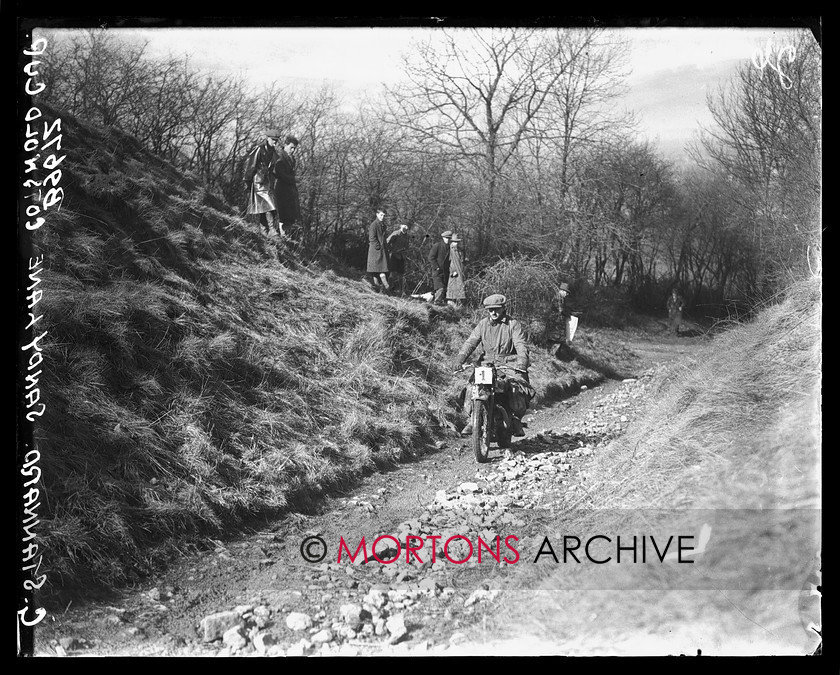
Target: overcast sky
column 672, row 68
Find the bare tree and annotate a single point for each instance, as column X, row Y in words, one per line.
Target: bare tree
column 213, row 107
column 157, row 113
column 96, row 75
column 579, row 117
column 709, row 249
column 768, row 144
column 476, row 94
column 580, row 113
column 623, row 197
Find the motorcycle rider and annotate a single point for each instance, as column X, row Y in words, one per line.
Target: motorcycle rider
column 502, row 342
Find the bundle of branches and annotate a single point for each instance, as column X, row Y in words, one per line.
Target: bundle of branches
column 531, row 286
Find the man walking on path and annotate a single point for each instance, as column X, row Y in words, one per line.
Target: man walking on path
column 397, row 243
column 287, row 197
column 438, row 258
column 676, row 303
column 377, row 260
column 259, row 175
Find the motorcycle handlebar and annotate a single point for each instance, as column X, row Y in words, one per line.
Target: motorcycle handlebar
column 498, row 367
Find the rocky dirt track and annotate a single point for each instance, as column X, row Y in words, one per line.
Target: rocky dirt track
column 260, row 597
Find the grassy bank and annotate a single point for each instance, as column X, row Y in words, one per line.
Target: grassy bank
column 732, row 440
column 195, row 377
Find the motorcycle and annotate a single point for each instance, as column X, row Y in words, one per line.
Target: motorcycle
column 491, row 421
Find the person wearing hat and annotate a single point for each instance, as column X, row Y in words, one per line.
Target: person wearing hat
column 455, row 291
column 502, row 342
column 564, row 311
column 377, row 260
column 397, row 243
column 438, row 258
column 259, row 175
column 562, row 294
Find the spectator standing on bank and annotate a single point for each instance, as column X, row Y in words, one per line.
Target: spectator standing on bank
column 377, row 260
column 287, row 197
column 259, row 175
column 455, row 290
column 397, row 243
column 438, row 258
column 565, row 315
column 563, row 311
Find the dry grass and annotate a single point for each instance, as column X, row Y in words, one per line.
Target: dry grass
column 192, row 382
column 195, row 380
column 751, row 398
column 173, row 416
column 732, row 440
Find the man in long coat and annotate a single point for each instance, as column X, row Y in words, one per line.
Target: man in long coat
column 675, row 304
column 260, row 177
column 287, row 197
column 398, row 242
column 438, row 258
column 378, row 259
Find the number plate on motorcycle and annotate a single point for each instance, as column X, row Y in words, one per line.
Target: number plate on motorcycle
column 484, row 376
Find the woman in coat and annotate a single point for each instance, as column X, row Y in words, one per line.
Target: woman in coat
column 455, row 291
column 377, row 260
column 260, row 177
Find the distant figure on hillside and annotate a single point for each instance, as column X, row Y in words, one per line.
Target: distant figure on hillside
column 378, row 260
column 287, row 198
column 455, row 290
column 438, row 258
column 397, row 243
column 259, row 175
column 675, row 305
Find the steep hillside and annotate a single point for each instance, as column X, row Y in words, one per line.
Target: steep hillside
column 192, row 379
column 196, row 376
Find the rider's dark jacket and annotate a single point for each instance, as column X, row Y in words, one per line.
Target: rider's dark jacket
column 502, row 342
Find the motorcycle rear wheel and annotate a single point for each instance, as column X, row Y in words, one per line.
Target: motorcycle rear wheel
column 481, row 431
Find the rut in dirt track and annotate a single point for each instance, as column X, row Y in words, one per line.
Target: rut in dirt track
column 259, row 596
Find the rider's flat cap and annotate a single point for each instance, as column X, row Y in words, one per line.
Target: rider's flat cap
column 272, row 133
column 448, row 233
column 495, row 300
column 564, row 286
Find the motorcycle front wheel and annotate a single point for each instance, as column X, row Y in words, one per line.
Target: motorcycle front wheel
column 481, row 431
column 503, row 430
